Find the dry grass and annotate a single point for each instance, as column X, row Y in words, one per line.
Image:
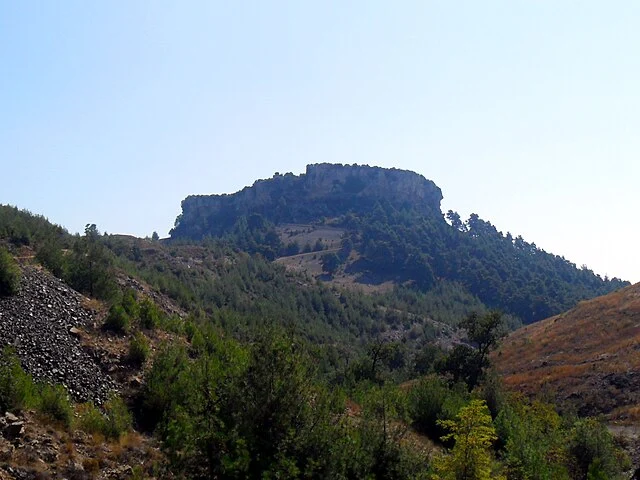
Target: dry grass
column 572, row 353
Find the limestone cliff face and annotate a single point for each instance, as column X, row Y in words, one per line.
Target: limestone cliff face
column 398, row 186
column 324, row 190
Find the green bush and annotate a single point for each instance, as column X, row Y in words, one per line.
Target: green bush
column 117, row 320
column 54, row 401
column 431, row 401
column 592, row 449
column 130, row 304
column 17, row 390
column 138, row 349
column 149, row 314
column 113, row 423
column 118, row 419
column 91, row 419
column 50, row 256
column 9, row 274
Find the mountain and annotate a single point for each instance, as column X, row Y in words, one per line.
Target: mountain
column 376, row 226
column 588, row 357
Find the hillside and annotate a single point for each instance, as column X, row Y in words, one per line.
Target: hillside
column 588, row 356
column 57, row 336
column 374, row 227
column 223, row 364
column 239, row 292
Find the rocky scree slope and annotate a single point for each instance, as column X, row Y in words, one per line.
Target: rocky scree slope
column 41, row 322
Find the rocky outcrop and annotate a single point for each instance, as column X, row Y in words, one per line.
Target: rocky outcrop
column 42, row 451
column 397, row 186
column 324, row 190
column 41, row 322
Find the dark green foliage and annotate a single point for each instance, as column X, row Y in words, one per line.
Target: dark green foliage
column 432, row 400
column 259, row 412
column 17, row 390
column 50, row 255
column 117, row 418
column 54, row 402
column 254, row 234
column 90, row 269
column 403, row 241
column 468, row 362
column 150, row 314
column 426, row 359
column 114, row 422
column 534, row 441
column 376, row 447
column 593, row 451
column 330, row 263
column 240, row 292
column 130, row 304
column 503, row 272
column 117, row 320
column 21, row 227
column 87, row 266
column 10, row 274
column 138, row 349
column 540, row 445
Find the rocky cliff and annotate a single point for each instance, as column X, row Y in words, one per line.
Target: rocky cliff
column 324, row 190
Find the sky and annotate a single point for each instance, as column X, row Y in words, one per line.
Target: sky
column 524, row 112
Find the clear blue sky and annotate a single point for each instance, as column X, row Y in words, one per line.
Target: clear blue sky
column 525, row 112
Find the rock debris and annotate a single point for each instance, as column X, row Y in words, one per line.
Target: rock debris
column 42, row 322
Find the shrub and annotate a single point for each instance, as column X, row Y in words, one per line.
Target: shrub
column 117, row 418
column 592, row 449
column 130, row 304
column 431, row 401
column 117, row 320
column 91, row 419
column 17, row 390
column 50, row 256
column 149, row 314
column 54, row 401
column 138, row 349
column 9, row 274
column 113, row 423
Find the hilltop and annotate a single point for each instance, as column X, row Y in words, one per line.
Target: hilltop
column 380, row 228
column 588, row 357
column 324, row 190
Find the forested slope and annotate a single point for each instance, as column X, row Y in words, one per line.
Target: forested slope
column 394, row 230
column 240, row 369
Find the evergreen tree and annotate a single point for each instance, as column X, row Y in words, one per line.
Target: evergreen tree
column 9, row 274
column 473, row 433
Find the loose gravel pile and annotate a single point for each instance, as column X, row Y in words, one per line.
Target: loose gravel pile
column 38, row 323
